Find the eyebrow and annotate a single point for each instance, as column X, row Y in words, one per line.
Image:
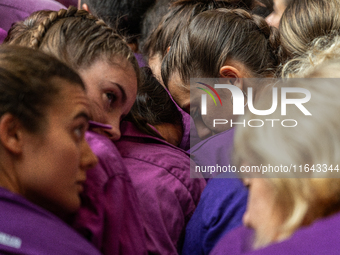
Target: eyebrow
column 120, row 87
column 82, row 114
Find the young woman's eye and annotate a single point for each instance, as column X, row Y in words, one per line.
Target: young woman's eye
column 111, row 97
column 79, row 132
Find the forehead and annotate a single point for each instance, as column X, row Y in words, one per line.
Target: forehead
column 71, row 98
column 117, row 70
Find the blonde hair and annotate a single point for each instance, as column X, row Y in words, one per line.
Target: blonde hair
column 305, row 20
column 322, row 49
column 315, row 140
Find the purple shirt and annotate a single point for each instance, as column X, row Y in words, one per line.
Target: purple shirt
column 29, row 229
column 68, row 3
column 321, row 237
column 160, row 172
column 188, row 126
column 223, row 201
column 16, row 10
column 109, row 215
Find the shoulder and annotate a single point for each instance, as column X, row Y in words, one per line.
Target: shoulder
column 24, row 225
column 30, row 6
column 110, row 162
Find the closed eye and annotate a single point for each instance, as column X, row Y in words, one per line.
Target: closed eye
column 196, row 113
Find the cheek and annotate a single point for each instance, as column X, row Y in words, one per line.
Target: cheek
column 68, row 173
column 218, row 118
column 259, row 214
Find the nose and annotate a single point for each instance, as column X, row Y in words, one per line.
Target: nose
column 115, row 133
column 88, row 158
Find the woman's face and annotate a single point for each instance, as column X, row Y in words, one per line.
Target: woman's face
column 189, row 98
column 54, row 161
column 274, row 18
column 112, row 90
column 260, row 213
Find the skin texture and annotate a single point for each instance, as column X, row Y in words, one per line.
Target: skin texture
column 274, row 18
column 49, row 167
column 188, row 97
column 112, row 90
column 260, row 213
column 155, row 63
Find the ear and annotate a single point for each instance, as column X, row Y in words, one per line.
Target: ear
column 234, row 74
column 11, row 133
column 86, row 8
column 167, row 50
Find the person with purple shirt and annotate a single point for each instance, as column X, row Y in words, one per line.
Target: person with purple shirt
column 197, row 52
column 160, row 171
column 17, row 10
column 109, row 215
column 44, row 154
column 292, row 212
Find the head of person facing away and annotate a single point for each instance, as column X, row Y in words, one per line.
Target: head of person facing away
column 305, row 20
column 102, row 58
column 223, row 43
column 125, row 16
column 179, row 15
column 44, row 114
column 321, row 50
column 277, row 207
column 154, row 107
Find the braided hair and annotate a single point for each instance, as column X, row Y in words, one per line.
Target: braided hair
column 216, row 36
column 73, row 36
column 182, row 12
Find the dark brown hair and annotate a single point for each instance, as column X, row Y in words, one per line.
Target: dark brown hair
column 153, row 105
column 180, row 13
column 28, row 86
column 125, row 16
column 216, row 36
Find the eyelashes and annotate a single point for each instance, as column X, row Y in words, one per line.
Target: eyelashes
column 111, row 97
column 79, row 131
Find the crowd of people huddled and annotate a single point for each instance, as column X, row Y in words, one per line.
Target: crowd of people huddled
column 111, row 112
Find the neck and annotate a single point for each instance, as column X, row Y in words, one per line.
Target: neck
column 8, row 180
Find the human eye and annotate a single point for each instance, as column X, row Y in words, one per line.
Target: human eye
column 111, row 97
column 79, row 131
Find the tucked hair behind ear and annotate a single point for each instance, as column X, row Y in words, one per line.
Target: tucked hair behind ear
column 215, row 37
column 180, row 13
